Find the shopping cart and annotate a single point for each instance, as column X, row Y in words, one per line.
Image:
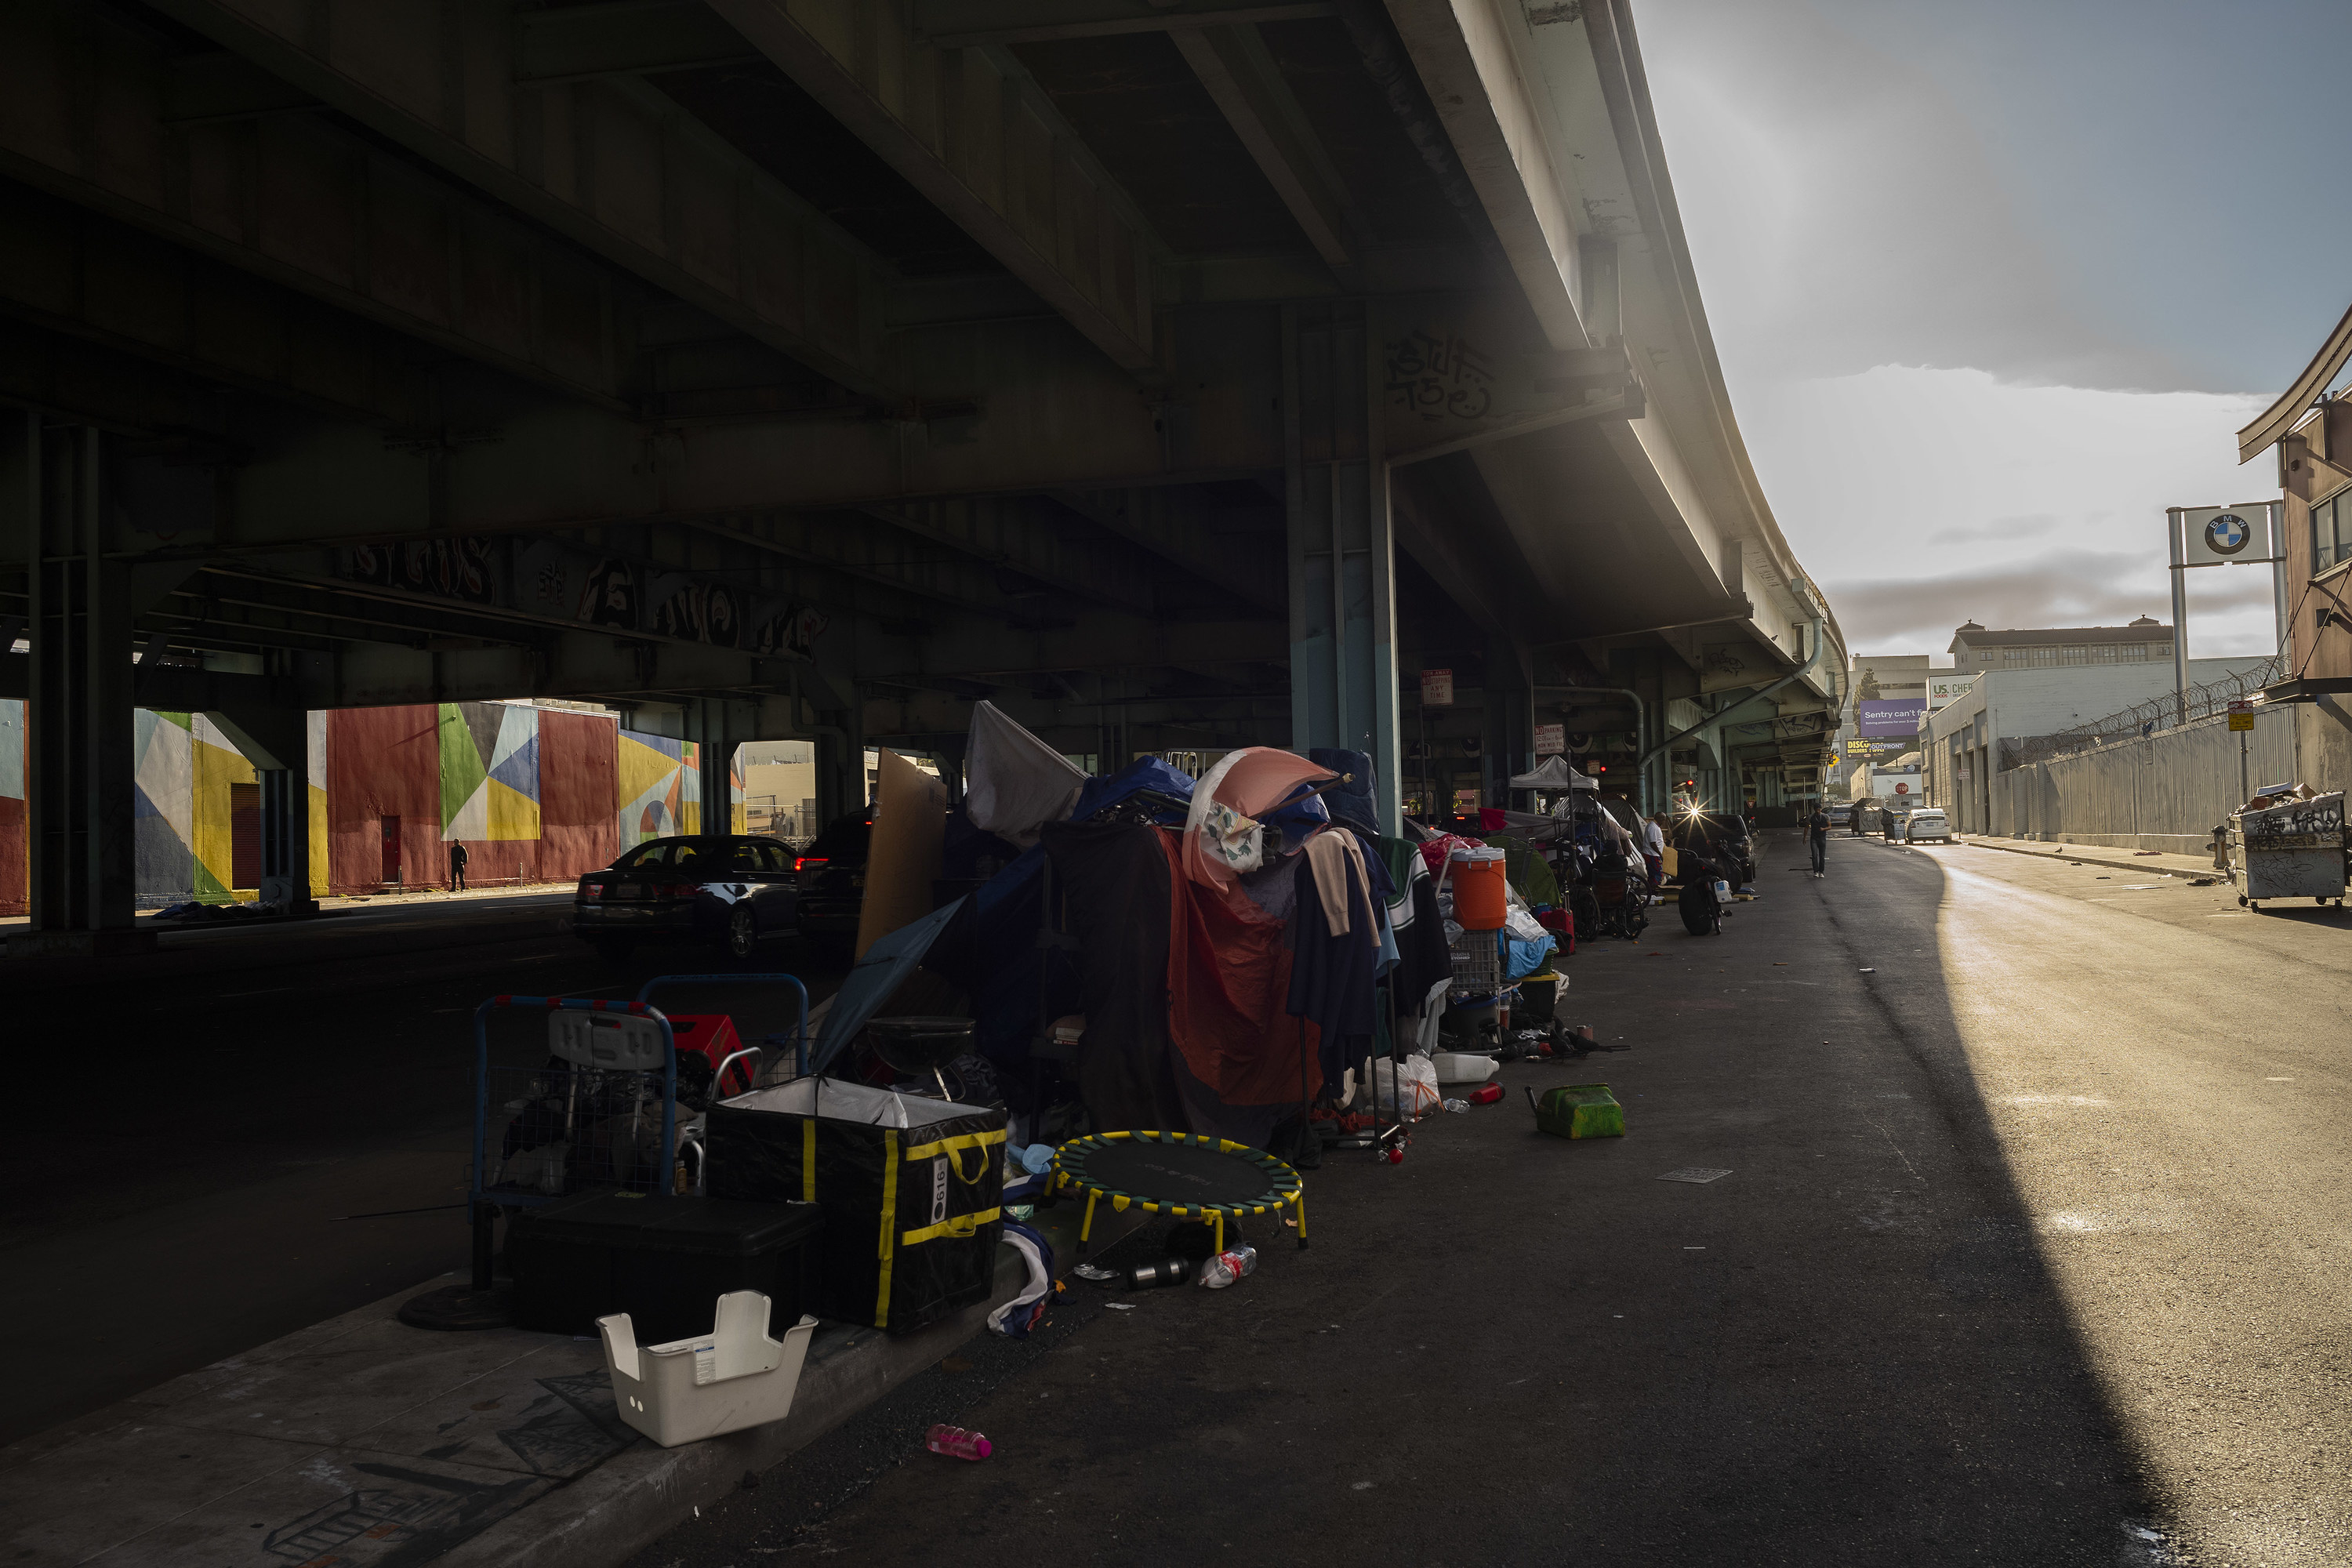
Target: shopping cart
column 601, row 1112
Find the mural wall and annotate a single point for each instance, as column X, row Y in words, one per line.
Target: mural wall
column 535, row 795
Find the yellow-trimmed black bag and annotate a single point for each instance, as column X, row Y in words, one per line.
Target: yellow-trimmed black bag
column 910, row 1190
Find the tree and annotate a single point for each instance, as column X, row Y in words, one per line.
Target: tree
column 1868, row 690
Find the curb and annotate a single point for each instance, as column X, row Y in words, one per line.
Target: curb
column 2073, row 858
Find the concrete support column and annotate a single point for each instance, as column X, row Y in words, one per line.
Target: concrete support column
column 78, row 744
column 276, row 740
column 1342, row 546
column 1509, row 723
column 708, row 723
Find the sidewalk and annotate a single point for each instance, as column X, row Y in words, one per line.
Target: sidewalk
column 363, row 1441
column 2113, row 860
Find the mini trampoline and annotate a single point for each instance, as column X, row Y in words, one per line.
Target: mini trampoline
column 1183, row 1174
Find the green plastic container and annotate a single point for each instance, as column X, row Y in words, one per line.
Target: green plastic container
column 1578, row 1110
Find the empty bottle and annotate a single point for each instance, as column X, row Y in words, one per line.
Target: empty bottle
column 1459, row 1107
column 1486, row 1094
column 1167, row 1271
column 946, row 1439
column 1227, row 1266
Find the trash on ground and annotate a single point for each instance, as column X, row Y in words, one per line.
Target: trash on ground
column 1694, row 1174
column 1228, row 1266
column 1486, row 1094
column 1869, row 971
column 1459, row 1107
column 1121, row 1306
column 1089, row 1271
column 1167, row 1271
column 1578, row 1110
column 955, row 1440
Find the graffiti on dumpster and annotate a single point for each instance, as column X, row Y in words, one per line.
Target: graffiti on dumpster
column 1439, row 376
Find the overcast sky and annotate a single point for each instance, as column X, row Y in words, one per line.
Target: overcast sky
column 1995, row 284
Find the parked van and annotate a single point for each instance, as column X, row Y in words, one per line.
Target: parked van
column 1928, row 822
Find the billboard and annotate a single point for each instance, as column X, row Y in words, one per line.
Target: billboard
column 1891, row 715
column 1943, row 688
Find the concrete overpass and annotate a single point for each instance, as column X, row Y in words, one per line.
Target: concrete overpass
column 1179, row 374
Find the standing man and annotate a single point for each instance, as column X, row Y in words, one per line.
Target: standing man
column 1817, row 832
column 456, row 867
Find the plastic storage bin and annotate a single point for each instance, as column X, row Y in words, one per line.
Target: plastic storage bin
column 1480, row 878
column 661, row 1261
column 912, row 1190
column 734, row 1377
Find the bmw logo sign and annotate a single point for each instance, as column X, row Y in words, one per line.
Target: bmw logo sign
column 2228, row 534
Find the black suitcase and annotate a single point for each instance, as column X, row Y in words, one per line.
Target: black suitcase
column 664, row 1260
column 911, row 1211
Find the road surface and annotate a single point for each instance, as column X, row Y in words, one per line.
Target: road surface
column 2031, row 1250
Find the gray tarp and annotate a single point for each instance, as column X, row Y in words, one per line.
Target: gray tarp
column 1013, row 782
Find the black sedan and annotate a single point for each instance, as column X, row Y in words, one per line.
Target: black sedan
column 833, row 884
column 730, row 891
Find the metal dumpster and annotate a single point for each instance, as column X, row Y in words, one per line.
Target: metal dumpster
column 2293, row 850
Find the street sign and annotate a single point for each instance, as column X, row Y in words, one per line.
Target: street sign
column 1903, row 789
column 2241, row 713
column 1551, row 740
column 1437, row 689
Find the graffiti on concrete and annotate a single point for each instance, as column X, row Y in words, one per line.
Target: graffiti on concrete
column 1439, row 376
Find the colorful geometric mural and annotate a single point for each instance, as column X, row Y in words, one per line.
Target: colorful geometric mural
column 661, row 785
column 489, row 771
column 536, row 794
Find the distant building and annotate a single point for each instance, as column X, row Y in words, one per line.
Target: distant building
column 2144, row 641
column 1964, row 740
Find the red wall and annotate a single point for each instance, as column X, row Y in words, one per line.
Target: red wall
column 15, row 894
column 384, row 761
column 579, row 798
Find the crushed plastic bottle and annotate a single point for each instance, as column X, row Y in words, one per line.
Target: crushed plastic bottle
column 1459, row 1107
column 1229, row 1266
column 955, row 1440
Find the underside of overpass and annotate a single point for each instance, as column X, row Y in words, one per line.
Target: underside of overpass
column 1177, row 374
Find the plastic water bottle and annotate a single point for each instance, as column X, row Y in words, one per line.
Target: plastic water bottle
column 1227, row 1266
column 1459, row 1107
column 946, row 1439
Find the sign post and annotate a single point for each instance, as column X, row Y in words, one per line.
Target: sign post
column 2242, row 720
column 2245, row 535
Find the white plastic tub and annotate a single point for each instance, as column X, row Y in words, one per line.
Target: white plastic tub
column 1462, row 1067
column 733, row 1377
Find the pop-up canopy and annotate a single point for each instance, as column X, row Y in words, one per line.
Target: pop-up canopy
column 1553, row 772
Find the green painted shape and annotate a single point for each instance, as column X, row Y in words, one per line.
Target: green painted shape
column 184, row 720
column 462, row 770
column 208, row 889
column 1580, row 1110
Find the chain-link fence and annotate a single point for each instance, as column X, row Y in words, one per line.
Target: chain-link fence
column 2161, row 712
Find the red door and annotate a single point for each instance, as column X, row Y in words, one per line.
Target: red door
column 391, row 849
column 245, row 835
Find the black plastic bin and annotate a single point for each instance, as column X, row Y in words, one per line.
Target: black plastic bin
column 911, row 1188
column 664, row 1261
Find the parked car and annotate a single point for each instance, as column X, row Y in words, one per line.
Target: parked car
column 1841, row 816
column 832, row 873
column 1928, row 822
column 730, row 889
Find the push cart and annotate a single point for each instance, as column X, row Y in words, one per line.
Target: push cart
column 2291, row 850
column 602, row 1109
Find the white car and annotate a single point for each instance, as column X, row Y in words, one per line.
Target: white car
column 1927, row 825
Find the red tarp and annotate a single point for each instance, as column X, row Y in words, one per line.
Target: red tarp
column 1228, row 988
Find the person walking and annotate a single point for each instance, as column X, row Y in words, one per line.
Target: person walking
column 1816, row 831
column 457, row 858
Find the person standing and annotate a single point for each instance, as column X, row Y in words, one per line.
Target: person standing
column 457, row 858
column 1816, row 831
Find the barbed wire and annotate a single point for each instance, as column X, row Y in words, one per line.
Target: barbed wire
column 2204, row 701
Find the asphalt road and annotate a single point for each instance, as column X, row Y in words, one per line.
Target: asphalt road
column 188, row 1125
column 2030, row 1251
